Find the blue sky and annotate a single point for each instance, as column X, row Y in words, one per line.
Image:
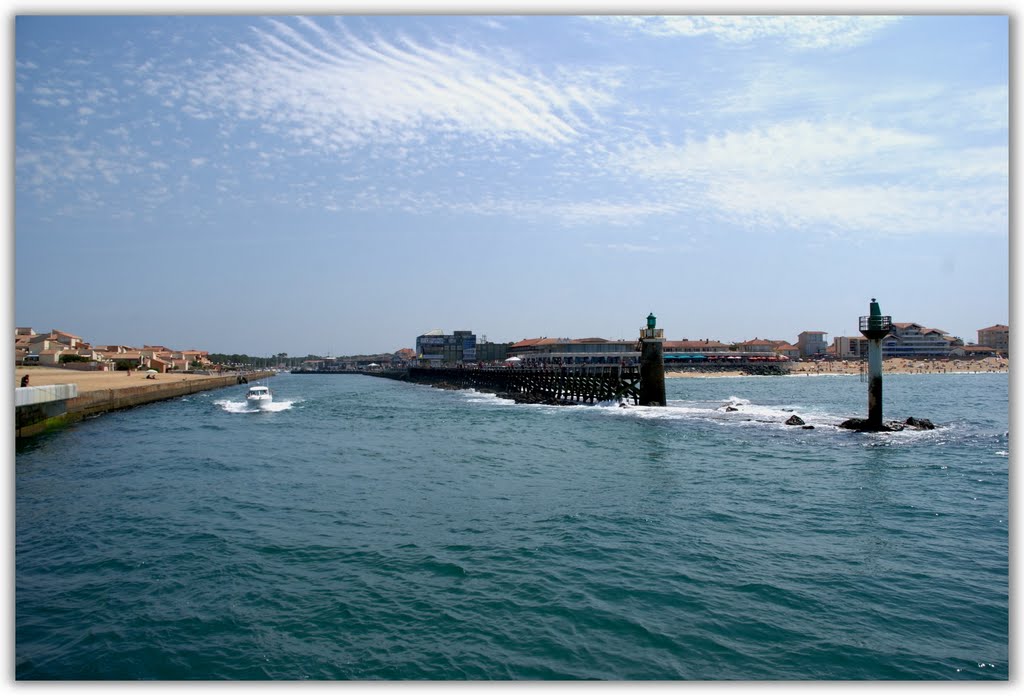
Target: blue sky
column 342, row 184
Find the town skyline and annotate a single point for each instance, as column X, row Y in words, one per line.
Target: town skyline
column 480, row 337
column 341, row 185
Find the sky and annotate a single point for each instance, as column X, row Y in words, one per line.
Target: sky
column 337, row 185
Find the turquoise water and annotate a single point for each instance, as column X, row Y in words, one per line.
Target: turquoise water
column 370, row 529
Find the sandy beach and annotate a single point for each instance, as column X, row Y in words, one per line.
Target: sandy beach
column 95, row 381
column 895, row 366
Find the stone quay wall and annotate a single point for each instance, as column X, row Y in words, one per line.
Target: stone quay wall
column 91, row 403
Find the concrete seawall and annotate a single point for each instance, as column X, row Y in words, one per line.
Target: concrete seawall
column 36, row 419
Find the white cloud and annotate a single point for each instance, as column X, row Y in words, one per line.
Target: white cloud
column 792, row 149
column 798, row 31
column 630, row 248
column 321, row 84
column 875, row 209
column 982, row 109
column 833, row 176
column 531, row 140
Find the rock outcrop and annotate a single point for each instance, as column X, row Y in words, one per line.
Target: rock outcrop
column 861, row 425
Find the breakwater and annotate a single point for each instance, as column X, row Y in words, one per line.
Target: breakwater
column 34, row 420
column 564, row 385
column 549, row 384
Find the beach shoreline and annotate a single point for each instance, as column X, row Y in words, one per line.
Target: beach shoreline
column 893, row 366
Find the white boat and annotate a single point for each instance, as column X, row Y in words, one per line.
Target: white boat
column 259, row 396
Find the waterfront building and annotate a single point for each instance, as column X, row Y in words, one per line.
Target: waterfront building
column 575, row 350
column 22, row 344
column 912, row 340
column 787, row 350
column 850, row 347
column 48, row 349
column 529, row 347
column 811, row 343
column 50, row 357
column 133, row 358
column 488, row 351
column 996, row 337
column 758, row 345
column 438, row 348
column 973, row 352
column 704, row 347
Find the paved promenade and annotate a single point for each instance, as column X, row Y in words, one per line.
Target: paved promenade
column 99, row 381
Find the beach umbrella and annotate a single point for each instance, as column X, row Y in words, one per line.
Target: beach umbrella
column 513, row 359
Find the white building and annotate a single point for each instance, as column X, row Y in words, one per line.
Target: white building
column 811, row 343
column 910, row 340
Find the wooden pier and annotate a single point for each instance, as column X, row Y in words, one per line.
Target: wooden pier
column 552, row 384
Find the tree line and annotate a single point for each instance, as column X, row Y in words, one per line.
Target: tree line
column 257, row 362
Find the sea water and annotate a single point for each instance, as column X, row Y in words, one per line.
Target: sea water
column 370, row 529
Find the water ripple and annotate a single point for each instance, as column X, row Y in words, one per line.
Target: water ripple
column 378, row 530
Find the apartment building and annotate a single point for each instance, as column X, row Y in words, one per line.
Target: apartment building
column 912, row 340
column 846, row 347
column 811, row 343
column 440, row 348
column 996, row 337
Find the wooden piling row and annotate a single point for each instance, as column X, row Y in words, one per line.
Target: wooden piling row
column 572, row 383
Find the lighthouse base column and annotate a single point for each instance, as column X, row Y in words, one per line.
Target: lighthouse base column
column 652, row 372
column 875, row 382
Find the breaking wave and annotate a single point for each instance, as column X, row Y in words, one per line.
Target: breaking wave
column 229, row 406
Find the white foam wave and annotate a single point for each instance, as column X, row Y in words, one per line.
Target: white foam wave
column 735, row 411
column 243, row 407
column 475, row 397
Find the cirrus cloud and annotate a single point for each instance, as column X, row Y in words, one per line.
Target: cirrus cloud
column 804, row 32
column 322, row 85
